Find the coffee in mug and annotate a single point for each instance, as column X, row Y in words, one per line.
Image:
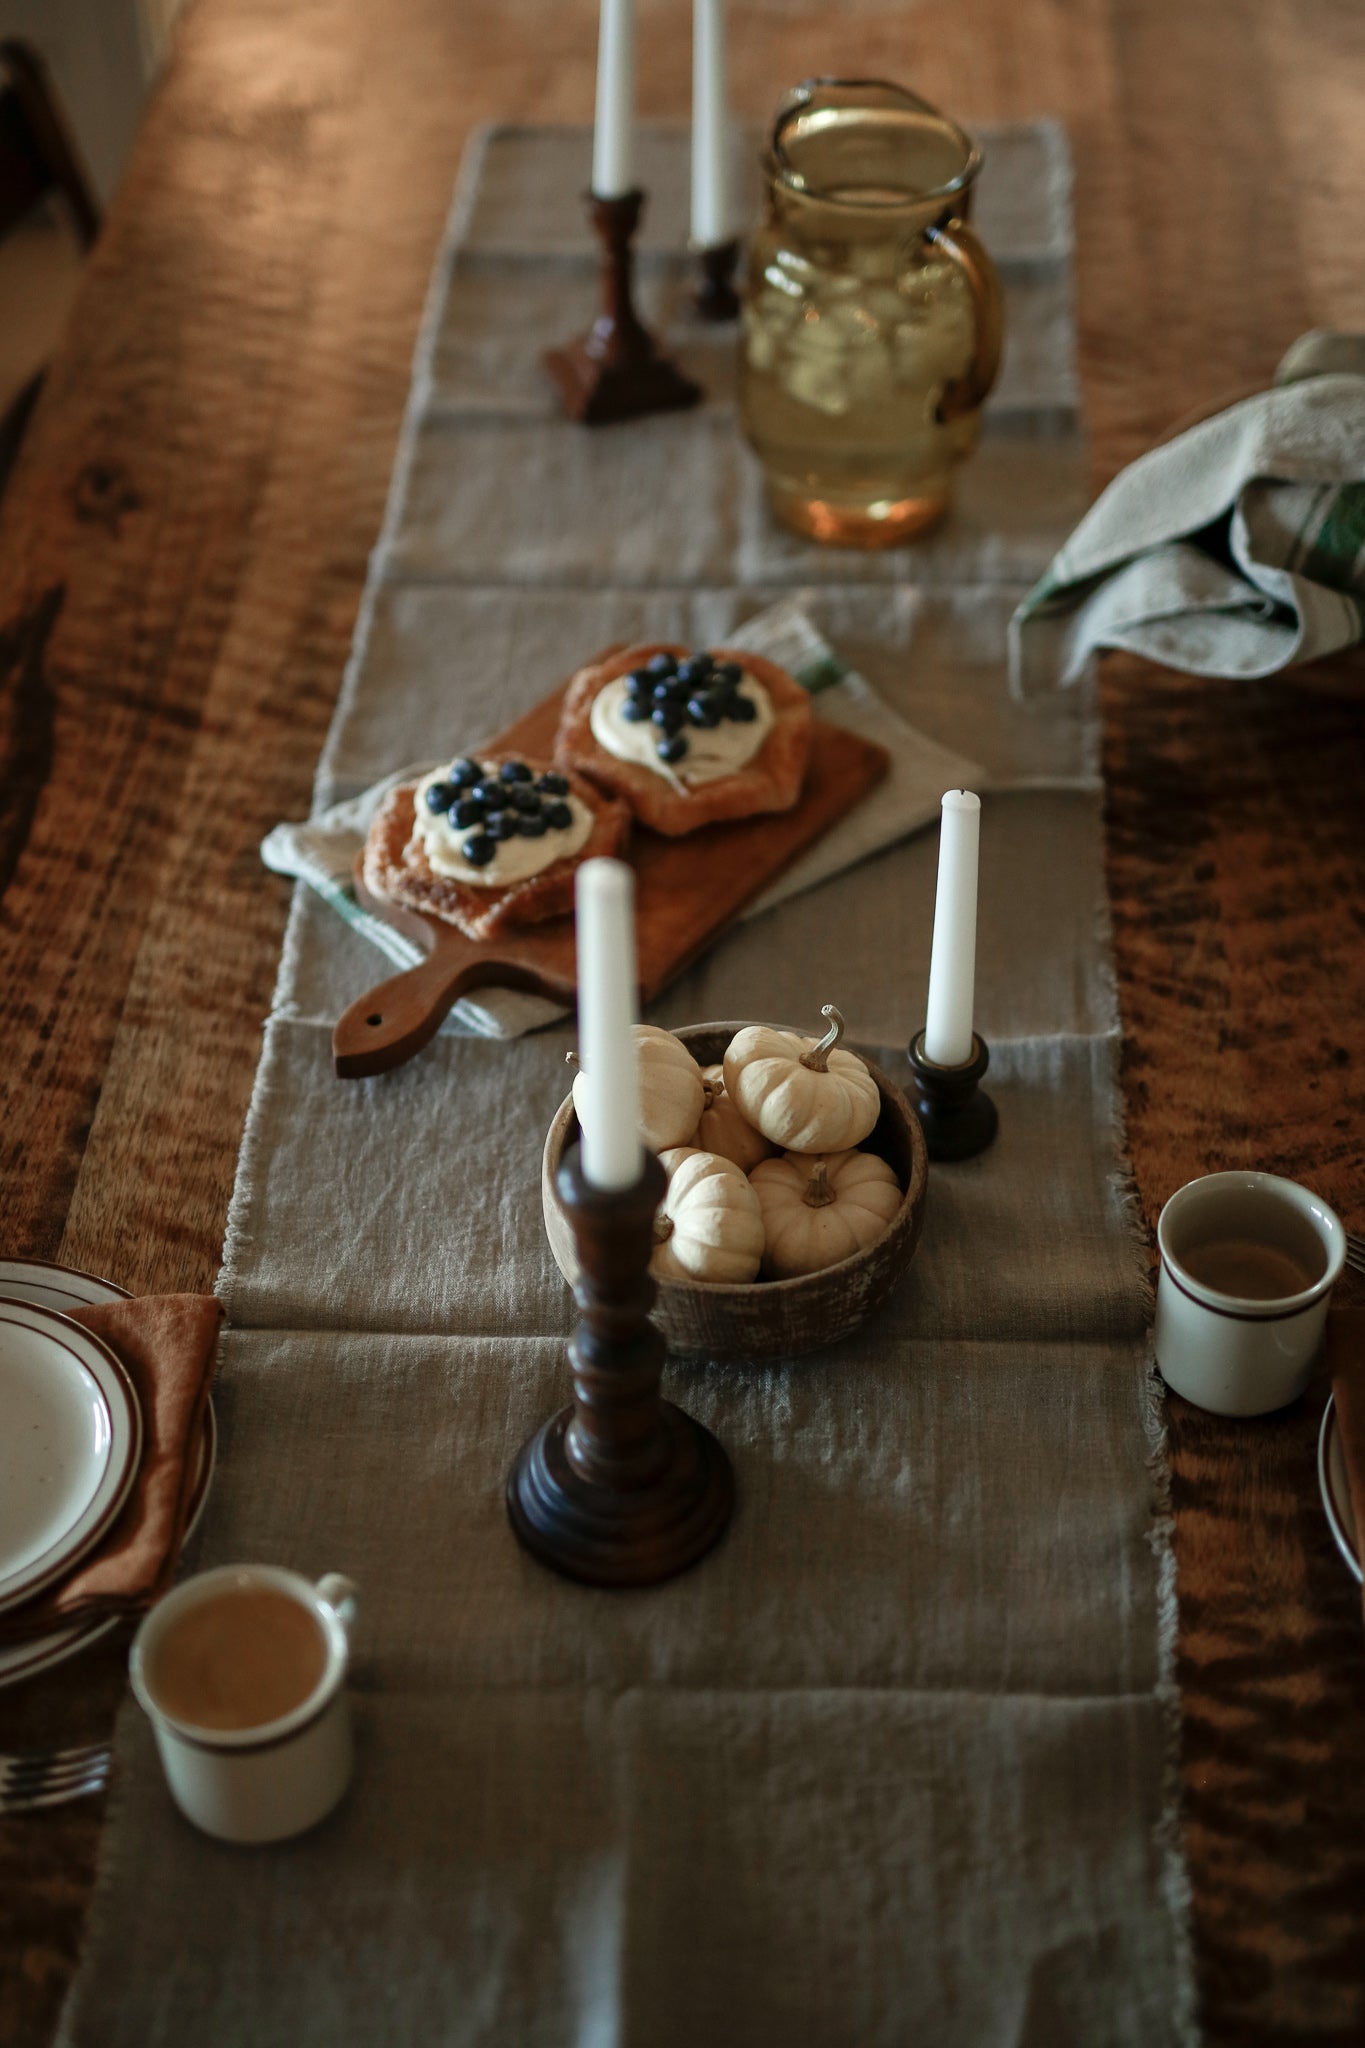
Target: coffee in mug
column 249, row 1655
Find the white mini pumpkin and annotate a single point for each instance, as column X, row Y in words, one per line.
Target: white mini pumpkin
column 803, row 1094
column 819, row 1210
column 672, row 1096
column 709, row 1225
column 724, row 1130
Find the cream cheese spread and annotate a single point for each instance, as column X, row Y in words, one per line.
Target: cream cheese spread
column 516, row 858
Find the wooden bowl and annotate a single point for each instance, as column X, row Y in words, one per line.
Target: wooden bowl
column 770, row 1318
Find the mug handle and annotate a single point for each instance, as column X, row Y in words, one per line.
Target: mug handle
column 342, row 1596
column 961, row 245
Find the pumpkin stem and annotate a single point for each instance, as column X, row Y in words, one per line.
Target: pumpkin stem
column 819, row 1194
column 817, row 1059
column 712, row 1092
column 663, row 1227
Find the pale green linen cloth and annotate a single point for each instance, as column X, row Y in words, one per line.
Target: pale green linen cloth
column 1234, row 550
column 894, row 1763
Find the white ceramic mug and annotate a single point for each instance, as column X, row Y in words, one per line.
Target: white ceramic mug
column 263, row 1783
column 1227, row 1352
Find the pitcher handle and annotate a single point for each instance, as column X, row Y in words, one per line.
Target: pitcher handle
column 960, row 244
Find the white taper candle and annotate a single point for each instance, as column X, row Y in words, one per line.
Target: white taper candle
column 613, row 138
column 711, row 219
column 952, row 964
column 613, row 1156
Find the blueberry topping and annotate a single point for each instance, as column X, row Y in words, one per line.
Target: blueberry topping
column 728, row 673
column 532, row 825
column 439, row 796
column 696, row 669
column 661, row 664
column 464, row 771
column 670, row 691
column 742, row 709
column 634, row 710
column 479, row 850
column 514, row 771
column 553, row 784
column 483, row 793
column 522, row 797
column 703, row 711
column 465, row 813
column 639, row 683
column 673, row 748
column 558, row 816
column 504, row 824
column 669, row 717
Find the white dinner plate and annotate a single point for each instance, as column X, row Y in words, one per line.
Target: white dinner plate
column 69, row 1447
column 1336, row 1489
column 64, row 1288
column 59, row 1287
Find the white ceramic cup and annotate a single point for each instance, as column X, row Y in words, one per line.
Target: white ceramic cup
column 1224, row 1352
column 264, row 1783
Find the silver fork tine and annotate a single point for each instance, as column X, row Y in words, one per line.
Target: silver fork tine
column 31, row 1802
column 47, row 1759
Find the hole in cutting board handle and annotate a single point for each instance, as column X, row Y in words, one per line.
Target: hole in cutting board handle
column 375, row 1017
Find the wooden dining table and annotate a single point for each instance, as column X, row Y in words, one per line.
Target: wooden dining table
column 182, row 550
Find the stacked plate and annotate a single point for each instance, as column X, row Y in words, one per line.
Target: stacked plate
column 69, row 1450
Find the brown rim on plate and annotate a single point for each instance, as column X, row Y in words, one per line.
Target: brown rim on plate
column 124, row 1478
column 56, row 1266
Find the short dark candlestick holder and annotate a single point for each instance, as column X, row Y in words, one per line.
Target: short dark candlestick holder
column 620, row 1488
column 616, row 371
column 715, row 297
column 958, row 1116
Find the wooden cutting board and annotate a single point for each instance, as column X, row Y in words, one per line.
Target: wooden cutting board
column 687, row 891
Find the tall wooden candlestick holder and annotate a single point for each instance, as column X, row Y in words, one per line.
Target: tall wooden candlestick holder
column 620, row 1488
column 616, row 371
column 715, row 297
column 958, row 1116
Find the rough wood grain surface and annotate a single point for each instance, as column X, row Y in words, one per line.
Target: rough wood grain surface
column 181, row 554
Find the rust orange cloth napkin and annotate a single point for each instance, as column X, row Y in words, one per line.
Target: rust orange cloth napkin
column 1346, row 1357
column 168, row 1344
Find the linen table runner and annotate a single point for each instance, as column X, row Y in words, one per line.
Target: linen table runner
column 891, row 1764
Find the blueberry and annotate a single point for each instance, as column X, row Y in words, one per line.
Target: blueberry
column 504, row 824
column 634, row 711
column 483, row 793
column 558, row 816
column 553, row 784
column 672, row 749
column 532, row 825
column 439, row 796
column 514, row 771
column 742, row 709
column 668, row 717
column 639, row 683
column 728, row 673
column 479, row 850
column 661, row 664
column 702, row 711
column 670, row 690
column 464, row 771
column 465, row 813
column 522, row 797
column 696, row 669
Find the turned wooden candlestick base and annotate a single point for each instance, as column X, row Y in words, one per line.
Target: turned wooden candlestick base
column 620, row 1488
column 616, row 370
column 715, row 297
column 958, row 1116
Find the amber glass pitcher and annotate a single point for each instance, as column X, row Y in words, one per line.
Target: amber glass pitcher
column 872, row 320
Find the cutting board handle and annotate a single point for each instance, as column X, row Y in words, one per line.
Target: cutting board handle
column 395, row 1020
